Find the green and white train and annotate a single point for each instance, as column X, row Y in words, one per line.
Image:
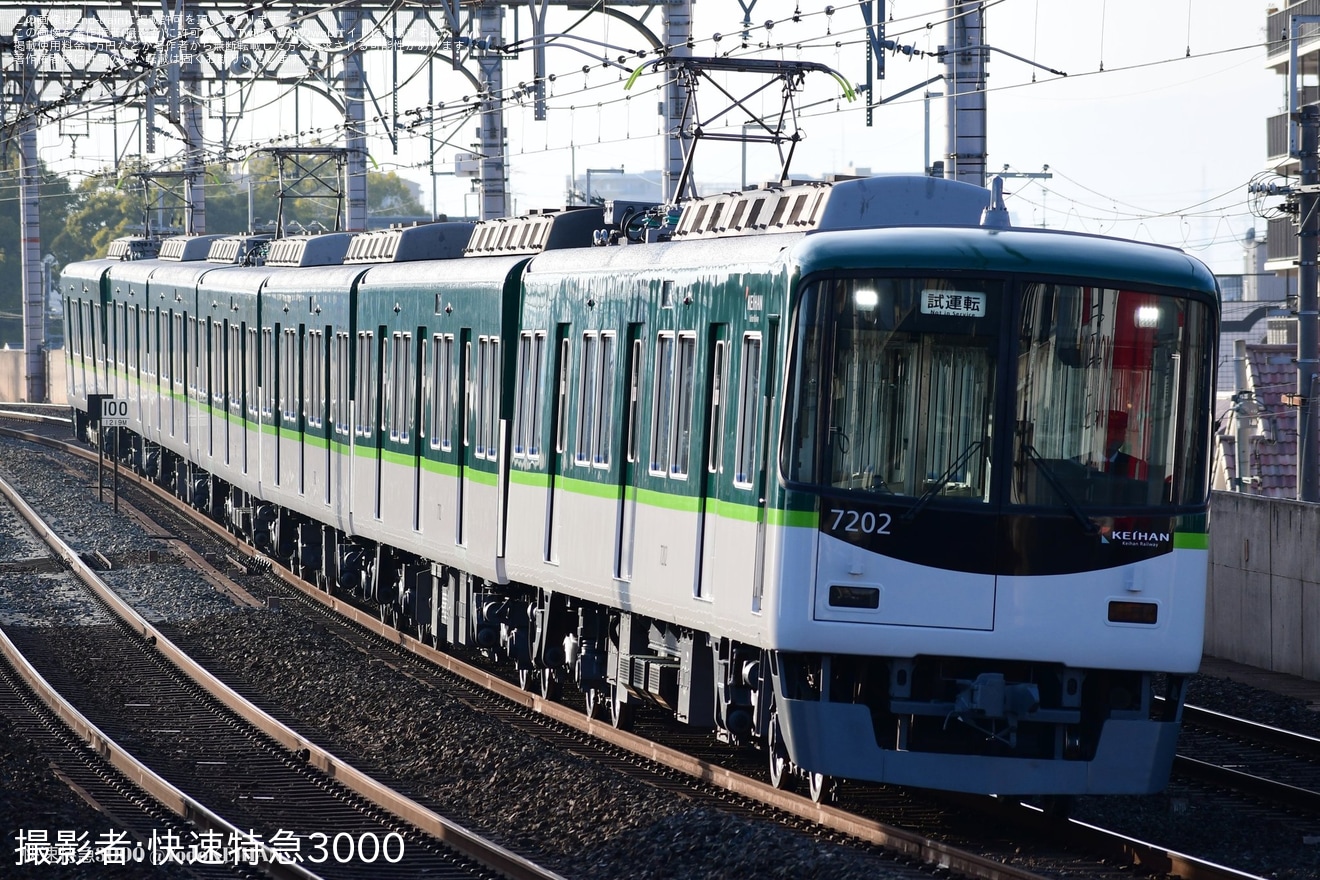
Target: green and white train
column 852, row 472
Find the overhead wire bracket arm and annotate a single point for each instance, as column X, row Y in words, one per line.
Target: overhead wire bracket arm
column 986, row 48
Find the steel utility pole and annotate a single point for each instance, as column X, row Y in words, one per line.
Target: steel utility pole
column 966, row 58
column 1308, row 309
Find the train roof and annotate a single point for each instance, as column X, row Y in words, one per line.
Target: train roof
column 1041, row 252
column 467, row 271
column 316, row 279
column 186, row 248
column 537, row 231
column 443, row 240
column 325, row 249
column 235, row 250
column 235, row 279
column 723, row 254
column 829, row 205
column 132, row 248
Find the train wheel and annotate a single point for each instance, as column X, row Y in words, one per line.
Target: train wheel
column 596, row 702
column 525, row 679
column 824, row 789
column 780, row 777
column 552, row 688
column 621, row 711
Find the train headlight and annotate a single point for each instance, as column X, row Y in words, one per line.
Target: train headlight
column 866, row 300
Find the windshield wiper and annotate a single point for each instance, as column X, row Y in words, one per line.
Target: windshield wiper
column 943, row 479
column 1088, row 525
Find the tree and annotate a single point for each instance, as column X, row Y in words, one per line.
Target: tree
column 54, row 200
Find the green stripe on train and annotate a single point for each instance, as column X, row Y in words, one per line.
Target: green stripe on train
column 1191, row 541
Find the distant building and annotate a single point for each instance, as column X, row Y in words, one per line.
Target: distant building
column 599, row 185
column 1254, row 302
column 1263, row 425
column 1257, row 424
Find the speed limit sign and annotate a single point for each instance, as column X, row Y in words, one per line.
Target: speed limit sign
column 114, row 412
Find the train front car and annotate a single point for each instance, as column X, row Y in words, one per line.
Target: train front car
column 993, row 462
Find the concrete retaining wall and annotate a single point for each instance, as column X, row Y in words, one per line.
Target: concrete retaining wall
column 13, row 376
column 1263, row 606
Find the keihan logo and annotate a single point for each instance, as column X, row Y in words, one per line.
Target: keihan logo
column 1134, row 539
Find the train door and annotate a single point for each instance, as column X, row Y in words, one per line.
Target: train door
column 234, row 362
column 279, row 390
column 558, row 443
column 216, row 421
column 444, row 436
column 178, row 363
column 753, row 453
column 118, row 343
column 377, row 379
column 713, row 456
column 314, row 408
column 400, row 416
column 465, row 403
column 135, row 358
column 340, row 432
column 289, row 447
column 252, row 404
column 671, row 528
column 626, row 529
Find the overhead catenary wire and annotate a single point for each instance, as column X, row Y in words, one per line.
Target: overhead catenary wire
column 573, row 85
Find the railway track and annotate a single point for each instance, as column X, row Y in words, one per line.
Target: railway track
column 1114, row 853
column 191, row 741
column 1264, row 762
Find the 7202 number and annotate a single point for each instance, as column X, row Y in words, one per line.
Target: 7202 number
column 864, row 522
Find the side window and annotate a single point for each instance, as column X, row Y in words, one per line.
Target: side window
column 314, row 378
column 267, row 394
column 634, row 395
column 684, row 387
column 252, row 375
column 400, row 387
column 217, row 363
column 469, row 392
column 289, row 384
column 442, row 392
column 134, row 341
column 662, row 411
column 234, row 364
column 98, row 337
column 535, row 418
column 587, row 400
column 604, row 421
column 715, row 459
column 121, row 341
column 671, row 422
column 749, row 412
column 197, row 375
column 561, row 391
column 364, row 396
column 339, row 393
column 487, row 392
column 179, row 345
column 528, row 420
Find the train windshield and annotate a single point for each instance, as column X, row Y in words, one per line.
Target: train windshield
column 894, row 387
column 907, row 386
column 1110, row 385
